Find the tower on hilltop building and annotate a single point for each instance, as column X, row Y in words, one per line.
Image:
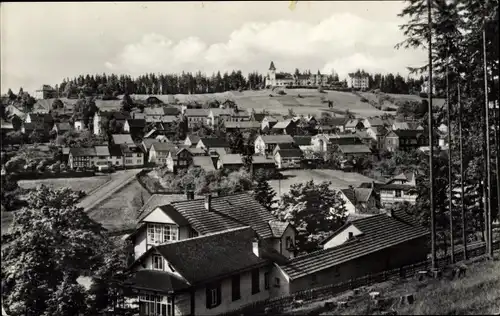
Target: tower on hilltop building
column 271, row 75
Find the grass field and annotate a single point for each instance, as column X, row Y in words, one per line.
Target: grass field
column 339, row 179
column 477, row 293
column 84, row 184
column 120, row 211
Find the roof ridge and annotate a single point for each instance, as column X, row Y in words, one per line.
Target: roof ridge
column 203, row 236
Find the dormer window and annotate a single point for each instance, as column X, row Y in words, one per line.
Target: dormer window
column 289, row 242
column 161, row 233
column 158, row 262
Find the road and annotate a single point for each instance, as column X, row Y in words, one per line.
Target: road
column 118, row 180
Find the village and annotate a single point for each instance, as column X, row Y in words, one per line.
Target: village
column 282, row 191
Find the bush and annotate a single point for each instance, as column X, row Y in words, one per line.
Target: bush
column 281, row 92
column 423, row 95
column 363, row 99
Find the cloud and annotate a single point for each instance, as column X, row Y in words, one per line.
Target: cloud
column 343, row 42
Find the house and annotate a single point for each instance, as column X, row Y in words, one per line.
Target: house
column 354, row 125
column 101, row 116
column 360, row 200
column 304, row 142
column 377, row 134
column 81, row 157
column 160, row 128
column 230, row 162
column 334, row 125
column 159, row 152
column 204, row 275
column 61, row 128
column 288, row 158
column 40, row 120
column 269, row 121
column 399, row 189
column 123, row 139
column 245, row 125
column 216, row 116
column 359, row 80
column 204, row 162
column 265, row 144
column 354, row 150
column 240, row 116
column 274, row 79
column 146, row 145
column 285, row 146
column 209, row 143
column 257, row 117
column 406, row 125
column 102, row 155
column 196, row 116
column 373, row 122
column 45, row 92
column 134, row 126
column 262, row 163
column 320, row 143
column 287, row 127
column 133, row 156
column 64, row 157
column 194, row 217
column 363, row 246
column 78, row 123
column 116, row 156
column 179, row 159
column 191, row 140
column 405, row 140
column 344, row 139
column 195, row 151
column 28, row 128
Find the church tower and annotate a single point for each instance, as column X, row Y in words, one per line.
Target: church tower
column 271, row 75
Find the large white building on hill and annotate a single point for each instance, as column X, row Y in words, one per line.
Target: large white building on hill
column 282, row 79
column 359, row 80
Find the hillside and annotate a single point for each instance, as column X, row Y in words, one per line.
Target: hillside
column 301, row 101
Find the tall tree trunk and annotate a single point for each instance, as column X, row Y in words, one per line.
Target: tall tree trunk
column 487, row 158
column 431, row 142
column 450, row 184
column 462, row 192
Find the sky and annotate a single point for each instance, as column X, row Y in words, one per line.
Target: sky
column 42, row 43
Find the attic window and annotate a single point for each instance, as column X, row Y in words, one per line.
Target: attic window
column 351, row 235
column 171, row 268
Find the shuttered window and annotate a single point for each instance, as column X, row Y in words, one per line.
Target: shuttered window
column 213, row 294
column 255, row 281
column 235, row 287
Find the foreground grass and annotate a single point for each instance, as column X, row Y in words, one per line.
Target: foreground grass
column 477, row 293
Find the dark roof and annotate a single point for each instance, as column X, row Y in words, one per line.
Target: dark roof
column 158, row 200
column 160, row 146
column 213, row 142
column 378, row 232
column 157, row 281
column 285, row 146
column 231, row 159
column 354, row 149
column 239, row 208
column 137, row 123
column 148, row 142
column 115, row 150
column 119, row 116
column 102, row 150
column 126, row 149
column 271, row 67
column 41, row 117
column 213, row 256
column 277, row 139
column 63, row 126
column 197, row 112
column 259, row 117
column 34, row 126
column 290, row 153
column 242, row 125
column 302, row 140
column 194, row 138
column 408, row 133
column 81, row 151
column 278, row 227
column 395, row 186
column 122, row 139
column 357, row 194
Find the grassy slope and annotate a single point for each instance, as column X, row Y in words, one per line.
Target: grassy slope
column 76, row 184
column 477, row 293
column 120, row 211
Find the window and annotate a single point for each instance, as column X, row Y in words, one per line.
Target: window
column 129, row 161
column 398, row 193
column 266, row 280
column 155, row 305
column 117, row 163
column 289, row 242
column 255, row 281
column 235, row 286
column 157, row 262
column 128, row 155
column 161, row 233
column 213, row 296
column 276, row 282
column 139, row 161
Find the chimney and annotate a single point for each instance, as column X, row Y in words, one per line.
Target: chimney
column 390, row 213
column 255, row 247
column 208, row 202
column 373, row 185
column 190, row 194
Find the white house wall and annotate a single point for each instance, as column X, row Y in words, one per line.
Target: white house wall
column 226, row 294
column 140, row 244
column 342, row 237
column 289, row 232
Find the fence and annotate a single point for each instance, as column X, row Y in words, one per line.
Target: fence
column 317, row 294
column 52, row 175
